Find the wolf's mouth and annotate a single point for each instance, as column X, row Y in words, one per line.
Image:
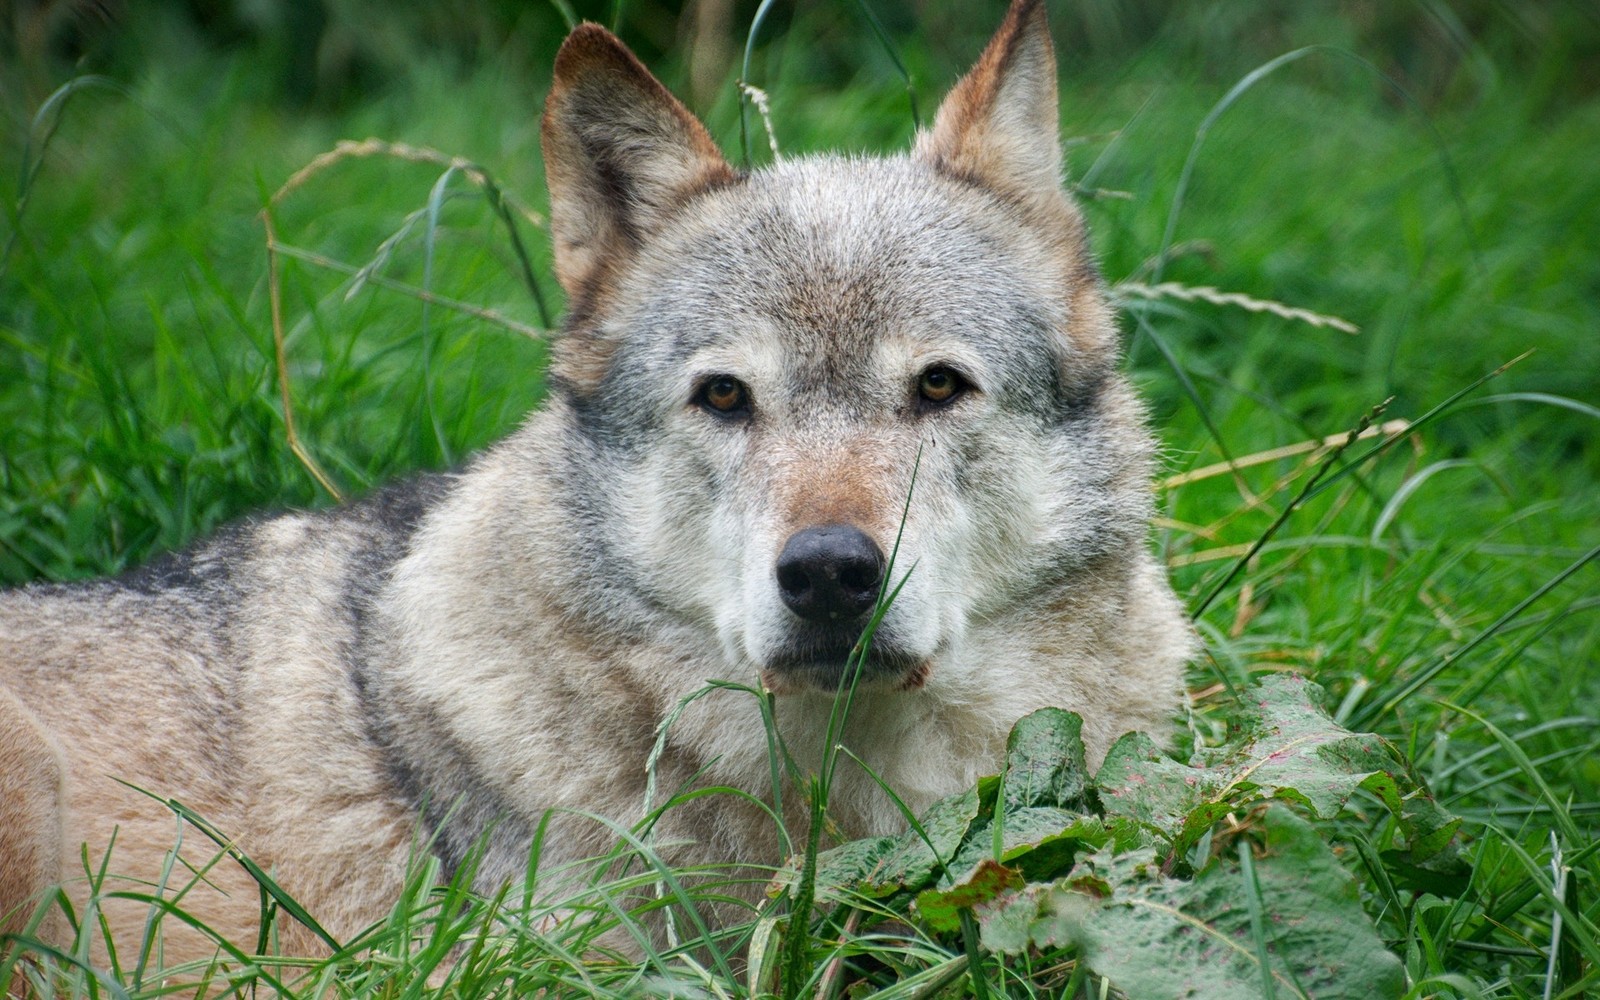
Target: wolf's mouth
column 824, row 662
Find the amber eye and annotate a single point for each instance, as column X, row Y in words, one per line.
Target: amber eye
column 724, row 394
column 940, row 385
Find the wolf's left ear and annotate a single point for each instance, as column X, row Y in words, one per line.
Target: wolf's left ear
column 999, row 126
column 621, row 155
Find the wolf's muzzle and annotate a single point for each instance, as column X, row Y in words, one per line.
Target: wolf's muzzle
column 830, row 574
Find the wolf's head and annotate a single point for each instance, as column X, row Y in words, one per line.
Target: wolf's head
column 758, row 366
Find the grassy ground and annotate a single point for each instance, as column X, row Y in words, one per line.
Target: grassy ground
column 1442, row 592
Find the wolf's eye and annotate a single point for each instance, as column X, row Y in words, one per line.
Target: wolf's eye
column 724, row 394
column 940, row 385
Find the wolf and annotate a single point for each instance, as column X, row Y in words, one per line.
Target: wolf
column 771, row 386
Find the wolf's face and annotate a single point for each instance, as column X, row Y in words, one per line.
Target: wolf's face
column 831, row 377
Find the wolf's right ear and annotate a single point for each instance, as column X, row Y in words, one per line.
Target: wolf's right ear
column 999, row 125
column 621, row 155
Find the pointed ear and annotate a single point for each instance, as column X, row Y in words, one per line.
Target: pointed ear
column 621, row 155
column 999, row 126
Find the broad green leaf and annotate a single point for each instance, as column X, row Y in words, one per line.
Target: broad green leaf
column 1045, row 762
column 1155, row 937
column 1140, row 782
column 852, row 867
column 887, row 865
column 914, row 864
column 1285, row 746
column 1041, row 915
column 941, row 908
column 1041, row 842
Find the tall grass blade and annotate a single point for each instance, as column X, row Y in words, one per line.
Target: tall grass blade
column 1559, row 874
column 149, row 938
column 1186, row 176
column 267, row 883
column 1513, row 749
column 1256, row 76
column 1427, row 674
column 1481, row 681
column 568, row 15
column 1391, row 510
column 927, row 984
column 49, row 117
column 429, row 240
column 1435, row 412
column 744, row 78
column 1299, row 501
column 893, row 53
column 389, row 284
column 1258, row 929
column 1186, row 384
column 1585, row 935
column 969, row 942
column 80, row 967
column 502, row 208
column 1548, row 399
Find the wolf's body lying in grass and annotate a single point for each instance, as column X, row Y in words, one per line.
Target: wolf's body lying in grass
column 751, row 368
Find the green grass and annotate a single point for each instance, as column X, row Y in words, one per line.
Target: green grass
column 1442, row 592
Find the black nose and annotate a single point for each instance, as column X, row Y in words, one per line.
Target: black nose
column 831, row 573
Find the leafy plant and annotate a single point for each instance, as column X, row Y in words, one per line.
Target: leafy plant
column 1198, row 878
